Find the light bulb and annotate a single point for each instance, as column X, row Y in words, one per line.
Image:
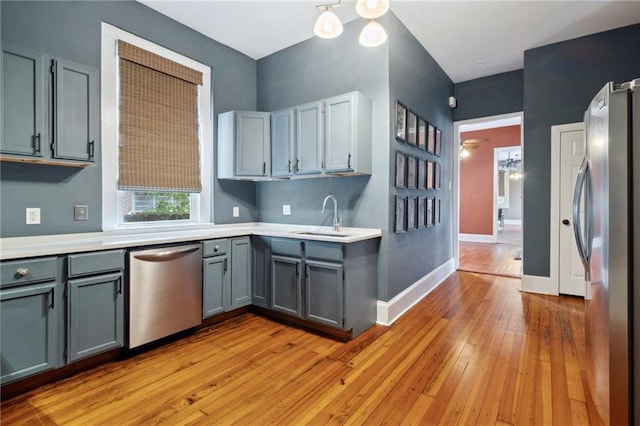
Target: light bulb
column 372, row 35
column 328, row 25
column 371, row 9
column 464, row 153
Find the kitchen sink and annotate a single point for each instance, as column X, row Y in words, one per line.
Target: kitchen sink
column 323, row 234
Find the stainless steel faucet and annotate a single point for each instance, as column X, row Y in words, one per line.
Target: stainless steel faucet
column 336, row 221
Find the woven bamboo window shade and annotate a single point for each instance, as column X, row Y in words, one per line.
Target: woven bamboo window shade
column 158, row 146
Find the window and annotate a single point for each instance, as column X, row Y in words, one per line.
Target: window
column 174, row 142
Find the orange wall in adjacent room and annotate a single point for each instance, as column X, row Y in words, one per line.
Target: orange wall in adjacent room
column 476, row 178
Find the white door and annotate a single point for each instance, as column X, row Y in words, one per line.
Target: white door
column 571, row 272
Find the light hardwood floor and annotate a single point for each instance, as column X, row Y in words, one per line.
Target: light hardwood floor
column 490, row 258
column 475, row 351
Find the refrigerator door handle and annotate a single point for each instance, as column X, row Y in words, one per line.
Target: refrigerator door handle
column 577, row 226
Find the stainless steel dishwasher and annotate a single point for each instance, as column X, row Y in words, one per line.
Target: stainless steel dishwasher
column 165, row 292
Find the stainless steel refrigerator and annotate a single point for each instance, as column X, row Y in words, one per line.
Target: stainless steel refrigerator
column 606, row 214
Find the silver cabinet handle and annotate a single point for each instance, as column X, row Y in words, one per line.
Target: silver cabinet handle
column 166, row 255
column 22, row 272
column 577, row 227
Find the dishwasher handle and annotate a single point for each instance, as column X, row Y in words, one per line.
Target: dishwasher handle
column 165, row 255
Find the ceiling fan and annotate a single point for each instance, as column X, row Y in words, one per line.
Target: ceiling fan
column 469, row 144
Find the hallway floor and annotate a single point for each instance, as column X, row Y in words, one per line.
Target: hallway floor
column 496, row 259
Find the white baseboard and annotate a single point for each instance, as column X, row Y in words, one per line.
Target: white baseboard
column 513, row 221
column 390, row 311
column 540, row 285
column 477, row 238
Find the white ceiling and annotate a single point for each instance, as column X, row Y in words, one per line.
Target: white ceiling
column 458, row 34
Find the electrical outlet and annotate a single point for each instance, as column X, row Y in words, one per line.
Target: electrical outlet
column 80, row 212
column 286, row 209
column 236, row 211
column 33, row 215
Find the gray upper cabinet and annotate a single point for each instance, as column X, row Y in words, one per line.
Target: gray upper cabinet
column 244, row 145
column 95, row 303
column 31, row 311
column 309, row 138
column 75, row 111
column 23, row 129
column 283, row 142
column 347, row 130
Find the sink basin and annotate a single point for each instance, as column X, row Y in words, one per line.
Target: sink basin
column 323, row 234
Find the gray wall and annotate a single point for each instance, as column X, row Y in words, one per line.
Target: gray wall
column 316, row 69
column 418, row 81
column 71, row 30
column 559, row 82
column 487, row 96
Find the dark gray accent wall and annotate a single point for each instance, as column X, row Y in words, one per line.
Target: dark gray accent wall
column 417, row 80
column 313, row 70
column 487, row 96
column 71, row 30
column 559, row 82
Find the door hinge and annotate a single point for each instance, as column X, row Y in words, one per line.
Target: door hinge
column 53, row 146
column 53, row 67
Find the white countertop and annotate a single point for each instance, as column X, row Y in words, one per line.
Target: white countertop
column 45, row 245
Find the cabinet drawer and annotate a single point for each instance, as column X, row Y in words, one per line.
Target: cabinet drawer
column 215, row 247
column 286, row 247
column 91, row 263
column 325, row 251
column 28, row 271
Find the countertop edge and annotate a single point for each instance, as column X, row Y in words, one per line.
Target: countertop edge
column 52, row 245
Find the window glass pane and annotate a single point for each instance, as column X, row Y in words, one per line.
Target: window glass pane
column 139, row 206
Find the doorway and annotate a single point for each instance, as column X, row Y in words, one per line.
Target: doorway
column 487, row 190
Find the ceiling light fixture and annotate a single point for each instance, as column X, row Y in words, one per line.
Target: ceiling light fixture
column 371, row 9
column 328, row 24
column 464, row 152
column 372, row 34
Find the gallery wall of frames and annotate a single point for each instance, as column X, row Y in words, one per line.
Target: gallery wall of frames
column 418, row 168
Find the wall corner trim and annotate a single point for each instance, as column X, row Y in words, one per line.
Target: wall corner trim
column 539, row 285
column 389, row 312
column 478, row 238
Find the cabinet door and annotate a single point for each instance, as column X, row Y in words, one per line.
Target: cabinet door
column 282, row 142
column 310, row 142
column 324, row 293
column 95, row 315
column 240, row 272
column 22, row 122
column 340, row 133
column 261, row 275
column 286, row 285
column 29, row 330
column 252, row 143
column 216, row 285
column 74, row 114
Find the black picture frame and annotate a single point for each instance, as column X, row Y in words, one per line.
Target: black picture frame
column 422, row 209
column 422, row 134
column 412, row 128
column 401, row 214
column 429, row 174
column 411, row 213
column 438, row 142
column 429, row 212
column 412, row 172
column 401, row 170
column 431, row 139
column 436, row 176
column 422, row 174
column 401, row 121
column 436, row 211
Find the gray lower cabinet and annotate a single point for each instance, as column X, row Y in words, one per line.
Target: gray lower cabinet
column 31, row 311
column 286, row 285
column 95, row 303
column 226, row 271
column 324, row 291
column 22, row 126
column 261, row 270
